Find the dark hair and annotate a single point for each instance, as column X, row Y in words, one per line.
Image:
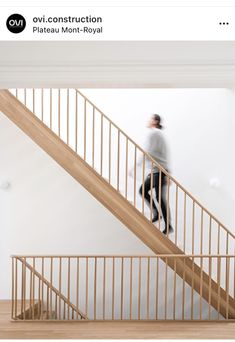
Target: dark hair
column 157, row 117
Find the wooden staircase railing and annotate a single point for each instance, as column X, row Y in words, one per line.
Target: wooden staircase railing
column 34, row 297
column 129, row 287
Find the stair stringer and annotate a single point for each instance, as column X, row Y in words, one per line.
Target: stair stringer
column 114, row 201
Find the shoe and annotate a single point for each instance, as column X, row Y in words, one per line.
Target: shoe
column 170, row 230
column 155, row 218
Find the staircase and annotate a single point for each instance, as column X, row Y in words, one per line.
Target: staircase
column 98, row 154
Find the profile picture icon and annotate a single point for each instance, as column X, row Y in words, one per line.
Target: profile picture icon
column 16, row 23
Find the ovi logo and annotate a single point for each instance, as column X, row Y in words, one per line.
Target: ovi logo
column 16, row 23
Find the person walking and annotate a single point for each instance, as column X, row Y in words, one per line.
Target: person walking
column 156, row 147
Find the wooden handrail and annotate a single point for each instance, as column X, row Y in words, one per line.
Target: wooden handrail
column 126, row 256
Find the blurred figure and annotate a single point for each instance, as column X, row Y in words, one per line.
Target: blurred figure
column 156, row 146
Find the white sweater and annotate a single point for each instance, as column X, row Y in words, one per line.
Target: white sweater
column 156, row 146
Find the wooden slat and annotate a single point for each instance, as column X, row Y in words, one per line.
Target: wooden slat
column 104, row 287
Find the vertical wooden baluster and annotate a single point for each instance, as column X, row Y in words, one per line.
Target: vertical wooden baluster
column 113, row 288
column 176, row 213
column 131, row 272
column 185, row 208
column 13, row 285
column 16, row 287
column 33, row 292
column 50, row 108
column 56, row 299
column 157, row 270
column 76, row 122
column 160, row 198
column 48, row 310
column 85, row 129
column 39, row 298
column 110, row 157
column 143, row 181
column 192, row 290
column 209, row 293
column 16, row 93
column 33, row 100
column 69, row 269
column 118, row 160
column 93, row 137
column 135, row 155
column 201, row 243
column 227, row 285
column 30, row 293
column 218, row 240
column 51, row 281
column 148, row 286
column 174, row 290
column 139, row 289
column 126, row 181
column 193, row 227
column 210, row 235
column 166, row 287
column 77, row 287
column 101, row 145
column 64, row 315
column 95, row 280
column 68, row 117
column 104, row 287
column 183, row 290
column 122, row 265
column 24, row 286
column 168, row 206
column 60, row 270
column 59, row 112
column 151, row 193
column 42, row 104
column 42, row 306
column 87, row 284
column 227, row 243
column 201, row 284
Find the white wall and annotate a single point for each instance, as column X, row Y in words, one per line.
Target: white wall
column 46, row 211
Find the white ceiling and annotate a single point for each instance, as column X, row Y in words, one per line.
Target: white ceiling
column 117, row 64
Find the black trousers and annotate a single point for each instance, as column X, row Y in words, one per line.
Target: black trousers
column 147, row 188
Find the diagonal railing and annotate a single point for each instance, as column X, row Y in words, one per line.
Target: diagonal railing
column 111, row 153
